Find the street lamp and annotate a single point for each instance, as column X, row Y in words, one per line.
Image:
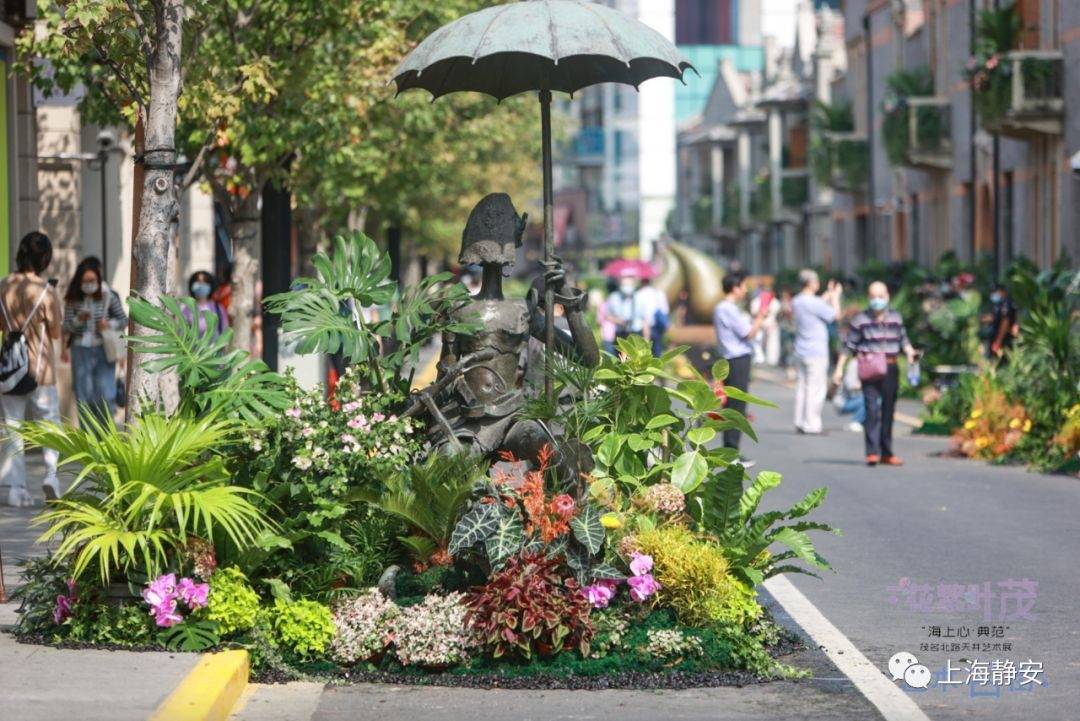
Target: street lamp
column 106, row 144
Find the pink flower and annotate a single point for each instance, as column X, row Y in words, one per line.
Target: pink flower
column 393, row 418
column 160, row 590
column 293, row 413
column 62, row 610
column 350, row 406
column 165, row 614
column 348, row 439
column 193, row 594
column 358, row 422
column 600, row 593
column 562, row 505
column 377, row 418
column 640, row 564
column 992, row 62
column 641, row 587
column 308, row 430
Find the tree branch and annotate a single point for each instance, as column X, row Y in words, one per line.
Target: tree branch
column 140, row 26
column 196, row 165
column 119, row 72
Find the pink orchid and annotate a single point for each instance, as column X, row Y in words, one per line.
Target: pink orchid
column 194, row 594
column 165, row 614
column 641, row 587
column 160, row 590
column 640, row 564
column 600, row 593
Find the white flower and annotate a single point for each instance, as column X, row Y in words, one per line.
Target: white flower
column 301, row 462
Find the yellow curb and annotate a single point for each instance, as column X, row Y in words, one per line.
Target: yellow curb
column 209, row 692
column 426, row 375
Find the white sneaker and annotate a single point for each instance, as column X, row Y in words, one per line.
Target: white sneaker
column 855, row 427
column 746, row 463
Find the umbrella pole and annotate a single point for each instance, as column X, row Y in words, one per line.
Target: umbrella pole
column 549, row 244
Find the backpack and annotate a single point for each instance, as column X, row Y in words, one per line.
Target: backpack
column 15, row 376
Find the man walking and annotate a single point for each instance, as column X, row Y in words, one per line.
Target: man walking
column 876, row 337
column 734, row 332
column 812, row 313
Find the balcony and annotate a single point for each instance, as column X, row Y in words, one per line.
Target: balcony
column 843, row 161
column 929, row 133
column 587, row 147
column 1024, row 94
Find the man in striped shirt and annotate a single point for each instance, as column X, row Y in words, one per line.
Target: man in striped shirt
column 875, row 332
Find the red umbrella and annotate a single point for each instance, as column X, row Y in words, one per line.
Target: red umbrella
column 624, row 266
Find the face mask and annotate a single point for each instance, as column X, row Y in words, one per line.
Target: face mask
column 89, row 288
column 200, row 290
column 878, row 304
column 627, row 287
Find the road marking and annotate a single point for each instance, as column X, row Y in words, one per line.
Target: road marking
column 894, row 704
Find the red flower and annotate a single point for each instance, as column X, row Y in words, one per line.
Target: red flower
column 562, row 505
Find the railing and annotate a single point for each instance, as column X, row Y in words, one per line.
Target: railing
column 930, row 132
column 1038, row 82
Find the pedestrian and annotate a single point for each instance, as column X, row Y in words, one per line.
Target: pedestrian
column 624, row 310
column 607, row 323
column 734, row 334
column 93, row 319
column 29, row 304
column 201, row 285
column 876, row 337
column 656, row 312
column 1003, row 325
column 786, row 321
column 813, row 314
column 767, row 342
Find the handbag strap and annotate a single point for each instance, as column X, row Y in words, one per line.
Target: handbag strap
column 8, row 321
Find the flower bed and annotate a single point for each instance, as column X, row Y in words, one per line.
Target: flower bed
column 320, row 533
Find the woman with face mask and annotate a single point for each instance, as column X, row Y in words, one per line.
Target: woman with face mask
column 90, row 309
column 876, row 337
column 201, row 286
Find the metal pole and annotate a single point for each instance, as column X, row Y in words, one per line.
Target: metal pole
column 549, row 243
column 871, row 189
column 103, row 158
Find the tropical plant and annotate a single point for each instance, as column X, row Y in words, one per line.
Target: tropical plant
column 232, row 603
column 501, row 521
column 529, row 607
column 141, row 491
column 994, row 427
column 363, row 626
column 724, row 509
column 428, row 497
column 694, row 578
column 899, row 86
column 191, row 635
column 302, row 627
column 833, row 158
column 434, row 633
column 326, row 313
column 44, row 582
column 987, row 71
column 213, row 378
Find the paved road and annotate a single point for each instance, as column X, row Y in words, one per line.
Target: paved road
column 938, row 520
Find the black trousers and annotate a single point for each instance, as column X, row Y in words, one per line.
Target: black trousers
column 879, row 417
column 738, row 376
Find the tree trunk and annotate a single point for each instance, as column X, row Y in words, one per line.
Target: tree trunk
column 244, row 227
column 151, row 272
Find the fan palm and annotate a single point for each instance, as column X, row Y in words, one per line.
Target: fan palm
column 429, row 497
column 141, row 491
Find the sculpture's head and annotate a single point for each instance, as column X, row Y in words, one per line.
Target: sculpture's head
column 493, row 232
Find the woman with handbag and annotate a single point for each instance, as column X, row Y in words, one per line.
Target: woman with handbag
column 876, row 337
column 94, row 321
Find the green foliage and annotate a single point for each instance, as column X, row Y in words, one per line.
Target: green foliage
column 834, row 159
column 304, row 627
column 724, row 509
column 899, row 86
column 694, row 578
column 43, row 581
column 325, row 313
column 213, row 378
column 95, row 621
column 988, row 72
column 1044, row 367
column 191, row 635
column 233, row 604
column 141, row 491
column 428, row 498
column 528, row 607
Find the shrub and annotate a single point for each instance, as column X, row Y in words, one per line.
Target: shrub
column 232, row 602
column 994, row 427
column 363, row 626
column 434, row 632
column 304, row 627
column 528, row 607
column 694, row 578
column 672, row 643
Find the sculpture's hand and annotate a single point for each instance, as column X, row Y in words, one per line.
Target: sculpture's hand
column 554, row 274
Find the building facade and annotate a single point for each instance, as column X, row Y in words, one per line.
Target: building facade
column 18, row 148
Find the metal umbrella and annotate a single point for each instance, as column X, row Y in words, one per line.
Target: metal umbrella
column 544, row 46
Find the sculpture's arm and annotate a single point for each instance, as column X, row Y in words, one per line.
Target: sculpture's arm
column 579, row 343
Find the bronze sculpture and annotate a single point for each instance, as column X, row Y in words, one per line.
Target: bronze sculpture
column 475, row 399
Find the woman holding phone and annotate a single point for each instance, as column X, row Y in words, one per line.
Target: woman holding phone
column 91, row 312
